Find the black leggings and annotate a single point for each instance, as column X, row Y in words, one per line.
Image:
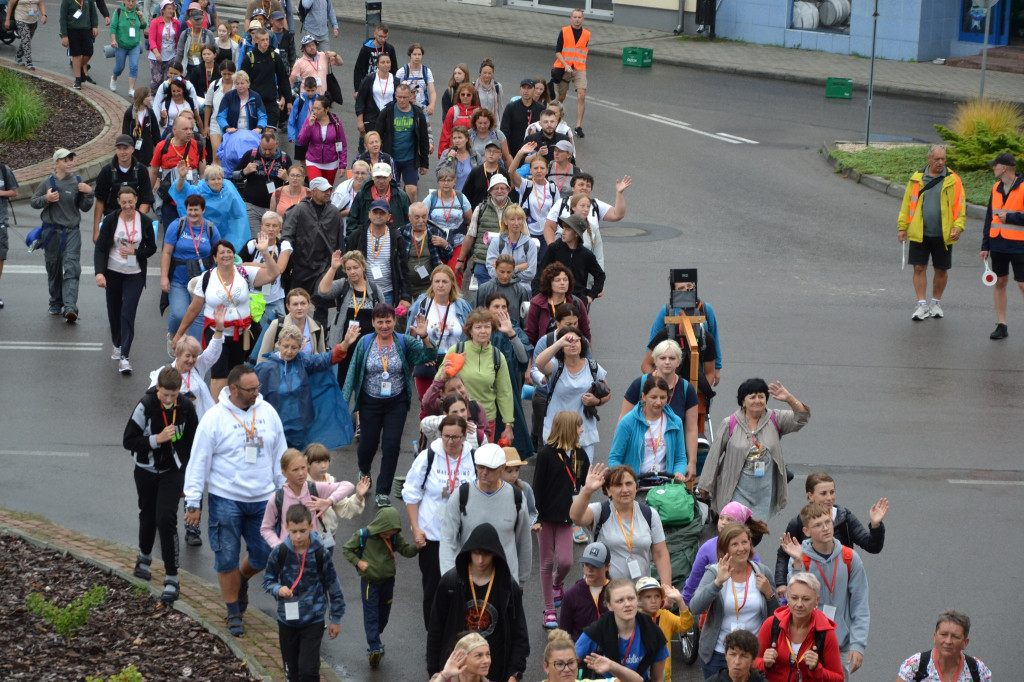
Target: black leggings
column 123, row 294
column 430, row 568
column 158, row 513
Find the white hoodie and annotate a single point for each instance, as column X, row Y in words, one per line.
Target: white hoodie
column 218, row 453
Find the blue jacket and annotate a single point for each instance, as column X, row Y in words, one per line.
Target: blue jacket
column 628, row 444
column 712, row 325
column 230, row 105
column 437, row 254
column 246, row 46
column 225, row 209
column 300, row 112
column 310, row 590
column 307, row 398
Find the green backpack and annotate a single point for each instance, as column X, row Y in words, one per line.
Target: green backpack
column 673, row 502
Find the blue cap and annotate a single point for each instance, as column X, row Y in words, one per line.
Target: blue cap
column 380, row 204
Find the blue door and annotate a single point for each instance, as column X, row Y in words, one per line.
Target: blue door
column 972, row 22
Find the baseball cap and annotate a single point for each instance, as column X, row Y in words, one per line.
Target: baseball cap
column 565, row 146
column 125, row 140
column 277, row 14
column 526, row 83
column 62, row 154
column 647, row 583
column 381, row 170
column 575, row 222
column 492, row 143
column 595, row 554
column 490, row 455
column 497, row 179
column 321, row 184
column 1005, row 158
column 380, row 205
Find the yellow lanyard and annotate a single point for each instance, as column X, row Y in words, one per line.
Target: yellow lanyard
column 629, row 540
column 227, row 289
column 487, row 596
column 357, row 306
column 380, row 248
column 249, row 432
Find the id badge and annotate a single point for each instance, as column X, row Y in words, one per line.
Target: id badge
column 271, row 188
column 376, row 272
column 319, row 82
column 31, row 11
column 194, row 61
column 131, row 31
column 422, row 272
column 291, row 610
column 77, row 14
column 385, row 389
column 193, row 176
column 445, row 493
column 759, row 469
column 734, row 627
column 633, row 566
column 338, row 147
column 353, row 323
column 829, row 611
column 132, row 261
column 252, row 453
column 138, row 144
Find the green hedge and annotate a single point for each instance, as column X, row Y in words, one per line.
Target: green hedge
column 23, row 110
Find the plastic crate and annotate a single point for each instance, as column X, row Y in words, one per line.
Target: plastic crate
column 839, row 88
column 641, row 57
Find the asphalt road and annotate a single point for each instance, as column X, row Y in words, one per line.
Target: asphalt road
column 802, row 269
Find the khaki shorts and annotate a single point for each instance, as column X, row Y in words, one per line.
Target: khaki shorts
column 578, row 78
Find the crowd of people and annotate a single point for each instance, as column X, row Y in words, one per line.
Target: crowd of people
column 317, row 291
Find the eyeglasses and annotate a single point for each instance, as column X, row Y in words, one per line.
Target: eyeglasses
column 250, row 391
column 452, row 438
column 564, row 665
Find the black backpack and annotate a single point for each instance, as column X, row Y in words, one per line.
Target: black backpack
column 922, row 666
column 819, row 635
column 318, row 554
column 279, row 501
column 606, row 513
column 591, row 362
column 517, row 495
column 430, row 463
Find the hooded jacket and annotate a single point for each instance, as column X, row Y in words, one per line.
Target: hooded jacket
column 315, row 233
column 310, row 590
column 218, row 453
column 581, row 261
column 830, row 664
column 847, row 528
column 605, row 635
column 708, row 597
column 628, row 446
column 375, row 552
column 147, row 420
column 505, row 631
column 231, row 105
column 849, row 594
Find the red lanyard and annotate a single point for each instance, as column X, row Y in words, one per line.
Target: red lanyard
column 186, row 379
column 572, row 476
column 447, row 209
column 736, row 597
column 419, row 244
column 630, row 645
column 192, row 235
column 672, row 393
column 129, row 229
column 269, row 173
column 835, row 567
column 315, row 63
column 453, row 479
column 564, row 176
column 302, row 567
column 174, row 415
column 938, row 670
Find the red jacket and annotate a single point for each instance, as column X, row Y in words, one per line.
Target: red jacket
column 456, row 116
column 830, row 665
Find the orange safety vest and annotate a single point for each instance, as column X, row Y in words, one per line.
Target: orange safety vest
column 1013, row 202
column 958, row 200
column 573, row 53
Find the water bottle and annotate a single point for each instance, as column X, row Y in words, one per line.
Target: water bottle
column 415, row 447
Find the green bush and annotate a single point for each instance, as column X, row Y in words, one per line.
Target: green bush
column 70, row 619
column 23, row 110
column 974, row 152
column 129, row 674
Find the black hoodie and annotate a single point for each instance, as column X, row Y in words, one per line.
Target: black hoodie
column 147, row 420
column 504, row 622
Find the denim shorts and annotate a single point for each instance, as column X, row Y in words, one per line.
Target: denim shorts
column 230, row 522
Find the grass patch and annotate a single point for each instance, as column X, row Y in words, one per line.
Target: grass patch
column 998, row 118
column 898, row 164
column 23, row 110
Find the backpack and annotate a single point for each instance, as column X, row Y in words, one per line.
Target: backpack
column 819, row 636
column 364, row 535
column 430, row 463
column 206, row 224
column 847, row 559
column 524, row 199
column 606, row 513
column 369, row 337
column 517, row 495
column 318, row 555
column 564, row 208
column 592, row 363
column 407, row 79
column 303, row 12
column 279, row 501
column 922, row 666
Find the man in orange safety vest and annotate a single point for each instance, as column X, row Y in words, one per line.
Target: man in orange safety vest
column 571, row 55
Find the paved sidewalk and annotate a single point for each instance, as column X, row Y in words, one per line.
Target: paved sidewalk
column 526, row 27
column 259, row 648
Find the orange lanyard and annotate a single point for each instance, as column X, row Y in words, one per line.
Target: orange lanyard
column 539, row 197
column 447, row 210
column 938, row 671
column 357, row 306
column 249, row 432
column 597, row 599
column 419, row 245
column 472, row 589
column 629, row 540
column 736, row 597
column 384, row 87
column 572, row 475
column 390, row 548
column 384, row 355
column 174, row 415
column 227, row 289
column 793, row 659
column 655, row 443
column 383, row 241
column 302, row 567
column 186, row 379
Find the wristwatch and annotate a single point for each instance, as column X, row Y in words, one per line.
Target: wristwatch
column 190, row 509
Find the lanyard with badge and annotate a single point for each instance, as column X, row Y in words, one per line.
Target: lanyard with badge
column 271, row 187
column 829, row 610
column 421, row 271
column 442, row 322
column 253, row 441
column 316, row 68
column 632, row 565
column 453, row 476
column 375, row 269
column 131, row 26
column 385, row 384
column 755, row 456
column 356, row 307
column 291, row 608
column 78, row 12
column 654, row 443
column 130, row 231
column 174, row 419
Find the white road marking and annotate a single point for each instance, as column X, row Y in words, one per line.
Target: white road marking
column 34, row 345
column 968, row 481
column 664, row 120
column 10, row 269
column 42, row 453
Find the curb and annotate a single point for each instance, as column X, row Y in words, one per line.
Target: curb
column 880, row 184
column 233, row 644
column 29, row 176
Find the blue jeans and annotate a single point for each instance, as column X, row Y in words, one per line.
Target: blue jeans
column 377, row 598
column 230, row 522
column 712, row 667
column 180, row 300
column 133, row 61
column 480, row 270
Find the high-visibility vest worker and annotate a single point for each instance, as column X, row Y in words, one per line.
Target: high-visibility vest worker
column 573, row 53
column 1014, row 202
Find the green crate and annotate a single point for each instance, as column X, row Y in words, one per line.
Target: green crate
column 839, row 88
column 641, row 57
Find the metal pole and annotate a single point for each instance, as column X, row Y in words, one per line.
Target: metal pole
column 984, row 53
column 871, row 77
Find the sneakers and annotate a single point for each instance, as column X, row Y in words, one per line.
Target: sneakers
column 382, row 500
column 115, row 354
column 170, row 345
column 18, row 60
column 55, row 312
column 131, row 93
column 124, row 366
column 192, row 538
column 559, row 593
column 579, row 132
column 550, row 619
column 922, row 312
column 77, row 85
column 935, row 309
column 70, row 316
column 31, row 67
column 113, row 83
column 1000, row 332
column 375, row 656
column 355, row 436
column 141, row 569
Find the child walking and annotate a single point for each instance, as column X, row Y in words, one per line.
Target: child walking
column 372, row 551
column 562, row 467
column 319, row 459
column 652, row 599
column 301, row 576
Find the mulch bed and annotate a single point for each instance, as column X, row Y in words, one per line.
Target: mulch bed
column 128, row 628
column 72, row 123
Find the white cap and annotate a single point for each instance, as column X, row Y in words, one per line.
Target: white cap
column 321, row 184
column 381, row 170
column 490, row 455
column 497, row 179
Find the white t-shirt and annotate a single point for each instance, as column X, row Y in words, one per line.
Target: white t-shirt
column 418, row 80
column 748, row 599
column 234, row 295
column 125, row 235
column 431, row 498
column 383, row 90
column 452, row 326
column 168, row 49
column 568, row 397
column 539, row 203
column 272, row 292
column 655, row 451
